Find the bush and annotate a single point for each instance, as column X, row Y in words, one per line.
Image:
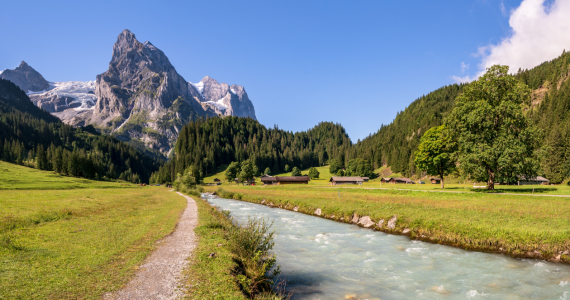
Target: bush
column 252, row 242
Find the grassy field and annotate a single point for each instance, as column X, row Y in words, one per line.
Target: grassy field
column 14, row 177
column 68, row 238
column 525, row 226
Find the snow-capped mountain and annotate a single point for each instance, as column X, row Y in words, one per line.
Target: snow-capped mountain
column 222, row 99
column 140, row 96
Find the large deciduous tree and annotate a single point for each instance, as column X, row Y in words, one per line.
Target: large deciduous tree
column 435, row 153
column 232, row 171
column 496, row 142
column 246, row 172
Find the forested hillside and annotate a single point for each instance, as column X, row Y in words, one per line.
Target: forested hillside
column 33, row 137
column 394, row 144
column 551, row 112
column 213, row 142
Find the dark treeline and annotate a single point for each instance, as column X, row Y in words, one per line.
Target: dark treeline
column 33, row 137
column 208, row 144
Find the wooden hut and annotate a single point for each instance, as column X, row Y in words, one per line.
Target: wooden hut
column 346, row 180
column 533, row 180
column 435, row 180
column 366, row 179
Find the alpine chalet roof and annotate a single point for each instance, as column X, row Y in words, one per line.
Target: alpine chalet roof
column 291, row 178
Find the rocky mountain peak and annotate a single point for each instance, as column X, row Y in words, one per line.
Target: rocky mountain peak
column 26, row 78
column 142, row 90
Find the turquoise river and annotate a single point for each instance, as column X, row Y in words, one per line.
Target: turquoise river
column 323, row 259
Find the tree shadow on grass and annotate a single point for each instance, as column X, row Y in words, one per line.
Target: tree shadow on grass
column 526, row 190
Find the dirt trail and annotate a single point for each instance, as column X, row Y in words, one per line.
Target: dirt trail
column 160, row 275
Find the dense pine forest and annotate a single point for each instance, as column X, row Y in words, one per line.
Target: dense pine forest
column 208, row 144
column 33, row 137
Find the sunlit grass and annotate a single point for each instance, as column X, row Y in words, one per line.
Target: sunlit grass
column 77, row 242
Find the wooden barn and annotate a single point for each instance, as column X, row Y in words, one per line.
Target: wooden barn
column 346, row 180
column 281, row 180
column 400, row 180
column 366, row 179
column 217, row 181
column 534, row 180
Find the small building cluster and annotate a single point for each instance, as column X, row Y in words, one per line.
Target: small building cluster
column 395, row 180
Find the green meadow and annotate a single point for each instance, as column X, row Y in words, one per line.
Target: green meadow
column 70, row 238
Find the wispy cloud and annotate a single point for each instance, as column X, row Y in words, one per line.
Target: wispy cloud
column 464, row 67
column 540, row 31
column 502, row 8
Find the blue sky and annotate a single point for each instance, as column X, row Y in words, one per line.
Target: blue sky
column 353, row 62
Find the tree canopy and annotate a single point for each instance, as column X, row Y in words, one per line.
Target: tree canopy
column 496, row 142
column 296, row 172
column 435, row 153
column 313, row 173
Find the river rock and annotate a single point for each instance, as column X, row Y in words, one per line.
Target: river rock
column 380, row 223
column 332, row 217
column 392, row 222
column 366, row 222
column 354, row 219
column 318, row 212
column 406, row 231
column 296, row 208
column 263, row 201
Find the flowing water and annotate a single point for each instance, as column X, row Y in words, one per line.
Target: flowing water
column 323, row 259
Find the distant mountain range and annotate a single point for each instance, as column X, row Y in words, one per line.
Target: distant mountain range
column 139, row 98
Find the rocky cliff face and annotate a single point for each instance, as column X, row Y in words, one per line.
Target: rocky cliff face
column 142, row 96
column 222, row 99
column 26, row 78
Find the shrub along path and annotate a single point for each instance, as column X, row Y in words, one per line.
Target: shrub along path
column 160, row 275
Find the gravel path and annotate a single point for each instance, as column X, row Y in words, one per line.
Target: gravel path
column 160, row 275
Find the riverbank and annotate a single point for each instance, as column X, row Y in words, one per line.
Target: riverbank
column 219, row 267
column 519, row 226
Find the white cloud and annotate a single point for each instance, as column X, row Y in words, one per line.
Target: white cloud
column 539, row 32
column 464, row 67
column 464, row 79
